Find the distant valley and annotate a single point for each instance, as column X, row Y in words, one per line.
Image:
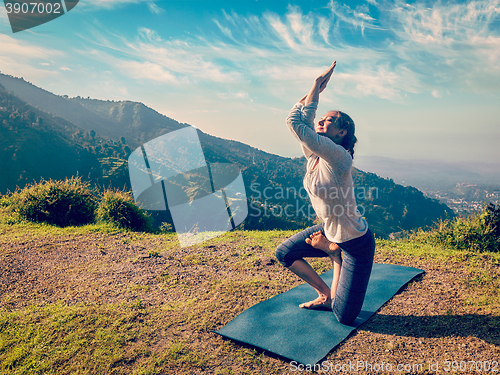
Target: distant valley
column 462, row 186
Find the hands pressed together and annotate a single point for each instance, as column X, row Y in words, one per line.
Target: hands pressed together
column 325, row 77
column 319, row 85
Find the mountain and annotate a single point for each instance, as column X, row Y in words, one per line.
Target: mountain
column 45, row 135
column 34, row 144
column 127, row 119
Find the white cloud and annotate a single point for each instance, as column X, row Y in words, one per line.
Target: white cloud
column 155, row 9
column 107, row 4
column 455, row 44
column 21, row 58
column 302, row 26
column 147, row 70
column 172, row 62
column 324, row 26
column 13, row 47
column 234, row 95
column 149, row 34
column 23, row 69
column 91, row 5
column 357, row 18
column 4, row 20
column 225, row 30
column 282, row 31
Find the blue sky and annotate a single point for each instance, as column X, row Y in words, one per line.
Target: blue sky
column 420, row 79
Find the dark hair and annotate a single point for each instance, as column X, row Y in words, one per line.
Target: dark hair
column 345, row 122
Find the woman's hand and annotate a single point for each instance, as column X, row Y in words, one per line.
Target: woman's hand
column 325, row 77
column 319, row 85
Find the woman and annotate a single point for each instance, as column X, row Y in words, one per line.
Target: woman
column 329, row 150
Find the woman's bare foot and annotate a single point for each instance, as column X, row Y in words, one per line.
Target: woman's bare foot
column 319, row 241
column 322, row 302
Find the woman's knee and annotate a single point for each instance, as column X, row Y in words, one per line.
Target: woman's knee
column 280, row 253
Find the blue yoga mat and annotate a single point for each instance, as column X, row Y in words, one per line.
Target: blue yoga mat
column 280, row 326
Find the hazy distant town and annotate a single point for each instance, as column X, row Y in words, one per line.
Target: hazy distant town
column 463, row 186
column 466, row 199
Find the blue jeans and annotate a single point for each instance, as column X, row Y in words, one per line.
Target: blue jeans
column 357, row 261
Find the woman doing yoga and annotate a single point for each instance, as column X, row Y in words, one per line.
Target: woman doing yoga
column 343, row 234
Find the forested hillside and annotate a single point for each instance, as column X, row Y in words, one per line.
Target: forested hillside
column 36, row 144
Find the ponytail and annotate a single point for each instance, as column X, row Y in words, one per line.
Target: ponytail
column 348, row 143
column 345, row 122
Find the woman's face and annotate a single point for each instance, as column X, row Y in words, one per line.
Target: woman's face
column 327, row 126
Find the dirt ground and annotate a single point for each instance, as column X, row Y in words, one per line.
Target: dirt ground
column 429, row 322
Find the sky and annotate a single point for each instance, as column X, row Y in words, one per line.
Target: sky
column 421, row 79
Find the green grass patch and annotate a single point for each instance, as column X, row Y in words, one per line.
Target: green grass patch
column 71, row 339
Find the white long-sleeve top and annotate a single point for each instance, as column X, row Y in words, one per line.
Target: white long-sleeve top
column 329, row 185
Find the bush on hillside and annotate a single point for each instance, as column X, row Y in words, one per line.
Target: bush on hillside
column 119, row 208
column 3, row 200
column 63, row 203
column 478, row 233
column 6, row 199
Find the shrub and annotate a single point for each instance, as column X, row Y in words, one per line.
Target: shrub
column 119, row 208
column 63, row 203
column 478, row 233
column 4, row 200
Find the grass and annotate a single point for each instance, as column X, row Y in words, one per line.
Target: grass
column 482, row 269
column 162, row 325
column 70, row 338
